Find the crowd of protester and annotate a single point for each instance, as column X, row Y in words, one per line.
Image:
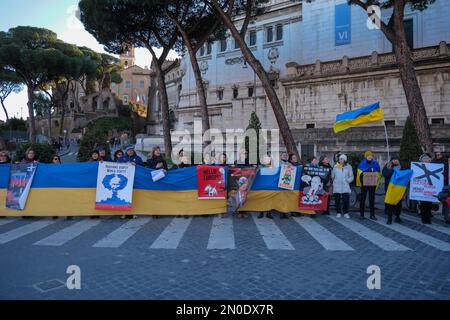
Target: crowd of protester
column 338, row 182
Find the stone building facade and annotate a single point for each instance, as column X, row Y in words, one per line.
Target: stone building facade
column 316, row 76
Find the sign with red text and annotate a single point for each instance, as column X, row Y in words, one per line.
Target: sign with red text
column 211, row 182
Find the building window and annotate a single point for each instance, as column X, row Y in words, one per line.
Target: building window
column 223, row 45
column 279, row 32
column 141, row 84
column 220, row 95
column 389, row 123
column 273, row 82
column 208, row 48
column 202, row 51
column 409, row 31
column 269, row 34
column 307, row 151
column 235, row 93
column 437, row 121
column 251, row 91
column 113, row 84
column 128, row 84
column 310, row 126
column 236, row 44
column 252, row 38
column 125, row 99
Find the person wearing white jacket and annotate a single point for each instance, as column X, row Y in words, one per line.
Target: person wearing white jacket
column 342, row 176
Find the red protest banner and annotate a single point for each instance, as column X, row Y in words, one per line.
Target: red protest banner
column 211, row 182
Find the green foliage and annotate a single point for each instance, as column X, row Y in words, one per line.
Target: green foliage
column 41, row 104
column 410, row 149
column 106, row 124
column 44, row 151
column 90, row 141
column 354, row 159
column 14, row 124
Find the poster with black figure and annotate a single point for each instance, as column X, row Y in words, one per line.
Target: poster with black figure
column 312, row 195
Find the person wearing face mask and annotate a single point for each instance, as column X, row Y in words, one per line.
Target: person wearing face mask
column 387, row 173
column 368, row 164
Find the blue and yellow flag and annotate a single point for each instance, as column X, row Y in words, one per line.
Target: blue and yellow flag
column 365, row 115
column 397, row 186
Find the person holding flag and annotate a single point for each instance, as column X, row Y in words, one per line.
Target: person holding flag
column 395, row 193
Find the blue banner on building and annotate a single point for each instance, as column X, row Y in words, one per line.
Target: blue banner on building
column 343, row 24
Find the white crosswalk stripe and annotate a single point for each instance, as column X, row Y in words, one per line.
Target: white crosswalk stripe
column 272, row 235
column 222, row 235
column 6, row 221
column 24, row 230
column 439, row 228
column 171, row 236
column 416, row 235
column 327, row 239
column 61, row 237
column 118, row 237
column 370, row 235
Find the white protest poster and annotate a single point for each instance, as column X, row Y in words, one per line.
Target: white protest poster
column 114, row 186
column 287, row 177
column 427, row 181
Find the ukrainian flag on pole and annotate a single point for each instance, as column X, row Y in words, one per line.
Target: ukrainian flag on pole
column 397, row 186
column 365, row 115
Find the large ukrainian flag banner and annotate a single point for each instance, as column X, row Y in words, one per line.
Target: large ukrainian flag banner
column 397, row 186
column 69, row 190
column 365, row 115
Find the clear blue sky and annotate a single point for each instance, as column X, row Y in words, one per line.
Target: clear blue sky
column 51, row 14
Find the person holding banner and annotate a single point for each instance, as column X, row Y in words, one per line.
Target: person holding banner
column 425, row 206
column 94, row 156
column 342, row 176
column 293, row 160
column 30, row 157
column 368, row 177
column 156, row 161
column 325, row 162
column 130, row 156
column 4, row 157
column 117, row 155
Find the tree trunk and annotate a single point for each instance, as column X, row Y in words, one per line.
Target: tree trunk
column 198, row 81
column 32, row 128
column 164, row 100
column 262, row 74
column 4, row 109
column 410, row 83
column 63, row 114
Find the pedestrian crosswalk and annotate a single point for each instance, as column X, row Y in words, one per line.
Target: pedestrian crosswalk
column 228, row 233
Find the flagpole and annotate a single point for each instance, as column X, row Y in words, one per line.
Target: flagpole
column 387, row 140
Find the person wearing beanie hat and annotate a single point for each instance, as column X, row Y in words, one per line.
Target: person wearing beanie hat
column 367, row 165
column 130, row 156
column 342, row 176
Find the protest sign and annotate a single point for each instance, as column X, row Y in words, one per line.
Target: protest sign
column 427, row 181
column 20, row 180
column 211, row 182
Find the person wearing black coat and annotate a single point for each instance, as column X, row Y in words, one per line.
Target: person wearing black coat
column 157, row 161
